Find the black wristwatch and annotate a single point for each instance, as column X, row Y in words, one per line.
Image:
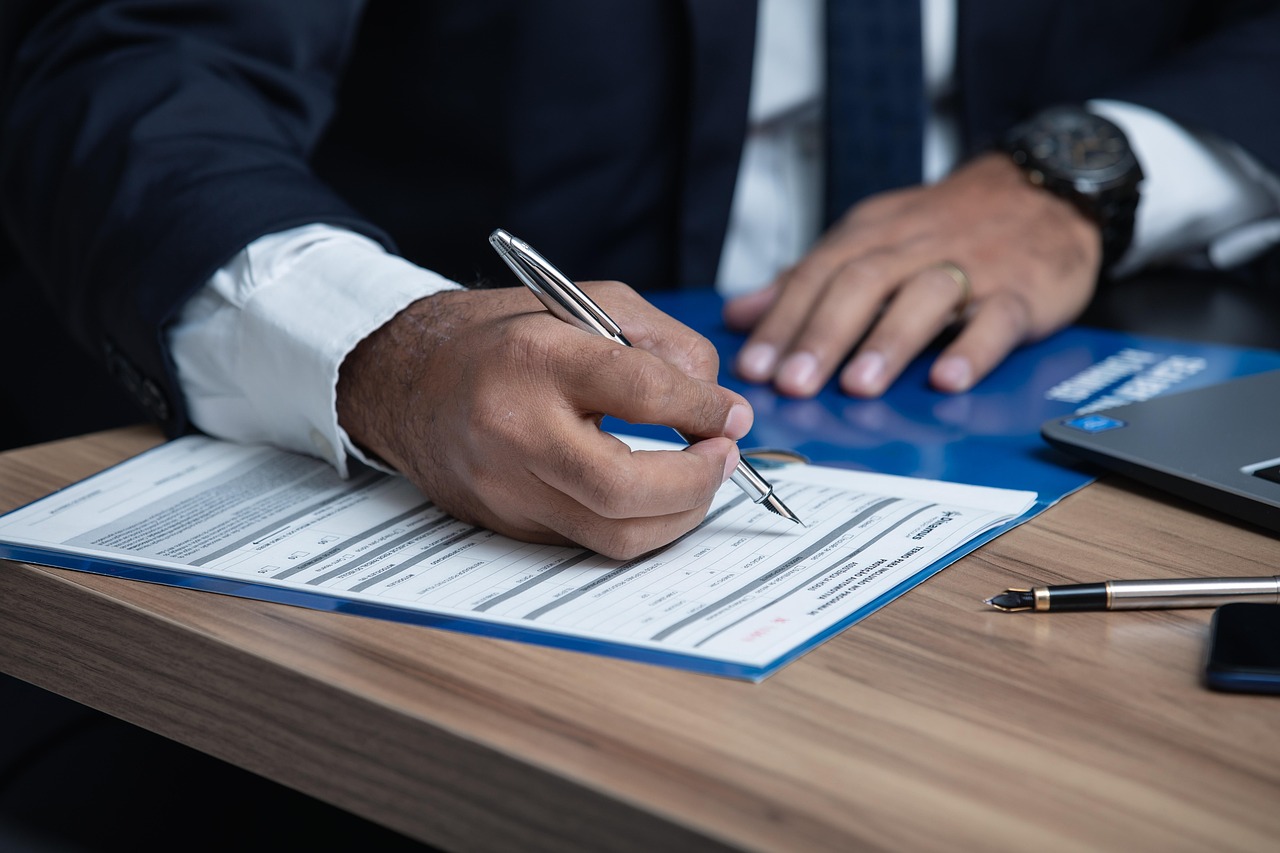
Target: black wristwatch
column 1087, row 160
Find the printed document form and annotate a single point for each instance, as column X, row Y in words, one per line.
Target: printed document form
column 740, row 595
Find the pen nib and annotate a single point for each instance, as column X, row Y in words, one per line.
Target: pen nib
column 1012, row 599
column 775, row 505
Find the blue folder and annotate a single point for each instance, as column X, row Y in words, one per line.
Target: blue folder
column 989, row 436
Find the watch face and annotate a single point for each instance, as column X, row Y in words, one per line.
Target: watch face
column 1073, row 143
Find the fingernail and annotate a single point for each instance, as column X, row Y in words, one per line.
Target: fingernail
column 739, row 421
column 730, row 464
column 756, row 361
column 953, row 373
column 865, row 373
column 799, row 373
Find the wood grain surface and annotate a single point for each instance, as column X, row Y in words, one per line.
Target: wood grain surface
column 934, row 724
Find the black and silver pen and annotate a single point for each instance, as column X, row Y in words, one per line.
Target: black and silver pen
column 1140, row 594
column 566, row 301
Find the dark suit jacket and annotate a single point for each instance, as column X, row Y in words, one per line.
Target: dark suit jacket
column 146, row 141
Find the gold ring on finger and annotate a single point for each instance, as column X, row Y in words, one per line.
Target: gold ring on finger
column 966, row 288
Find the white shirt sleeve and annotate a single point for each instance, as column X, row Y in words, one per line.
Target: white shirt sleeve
column 259, row 347
column 1204, row 200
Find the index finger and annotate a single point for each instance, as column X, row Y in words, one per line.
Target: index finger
column 639, row 387
column 609, row 480
column 655, row 331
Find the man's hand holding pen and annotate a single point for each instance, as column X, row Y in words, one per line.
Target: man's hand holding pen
column 491, row 406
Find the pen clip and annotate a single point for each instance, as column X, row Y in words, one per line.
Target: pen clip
column 562, row 297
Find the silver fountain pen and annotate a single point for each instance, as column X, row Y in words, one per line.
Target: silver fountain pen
column 566, row 301
column 1164, row 594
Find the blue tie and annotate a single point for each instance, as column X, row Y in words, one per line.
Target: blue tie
column 875, row 99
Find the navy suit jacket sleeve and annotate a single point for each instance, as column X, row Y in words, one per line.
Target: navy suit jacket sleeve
column 1223, row 83
column 1208, row 64
column 147, row 142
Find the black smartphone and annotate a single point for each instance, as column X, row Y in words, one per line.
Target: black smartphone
column 1244, row 648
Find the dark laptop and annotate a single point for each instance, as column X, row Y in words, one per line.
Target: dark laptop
column 1218, row 445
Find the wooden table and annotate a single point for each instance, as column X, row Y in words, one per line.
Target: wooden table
column 935, row 724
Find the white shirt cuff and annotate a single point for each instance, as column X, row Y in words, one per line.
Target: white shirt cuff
column 1203, row 198
column 258, row 348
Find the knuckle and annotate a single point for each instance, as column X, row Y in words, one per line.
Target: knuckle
column 531, row 342
column 808, row 276
column 614, row 291
column 690, row 352
column 611, row 490
column 1013, row 306
column 859, row 272
column 624, row 542
column 866, row 271
column 495, row 421
column 650, row 381
column 704, row 358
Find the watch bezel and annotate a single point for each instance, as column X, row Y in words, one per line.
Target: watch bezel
column 1027, row 137
column 1108, row 195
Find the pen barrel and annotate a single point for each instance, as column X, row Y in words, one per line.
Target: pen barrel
column 1077, row 596
column 1198, row 592
column 744, row 477
column 749, row 480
